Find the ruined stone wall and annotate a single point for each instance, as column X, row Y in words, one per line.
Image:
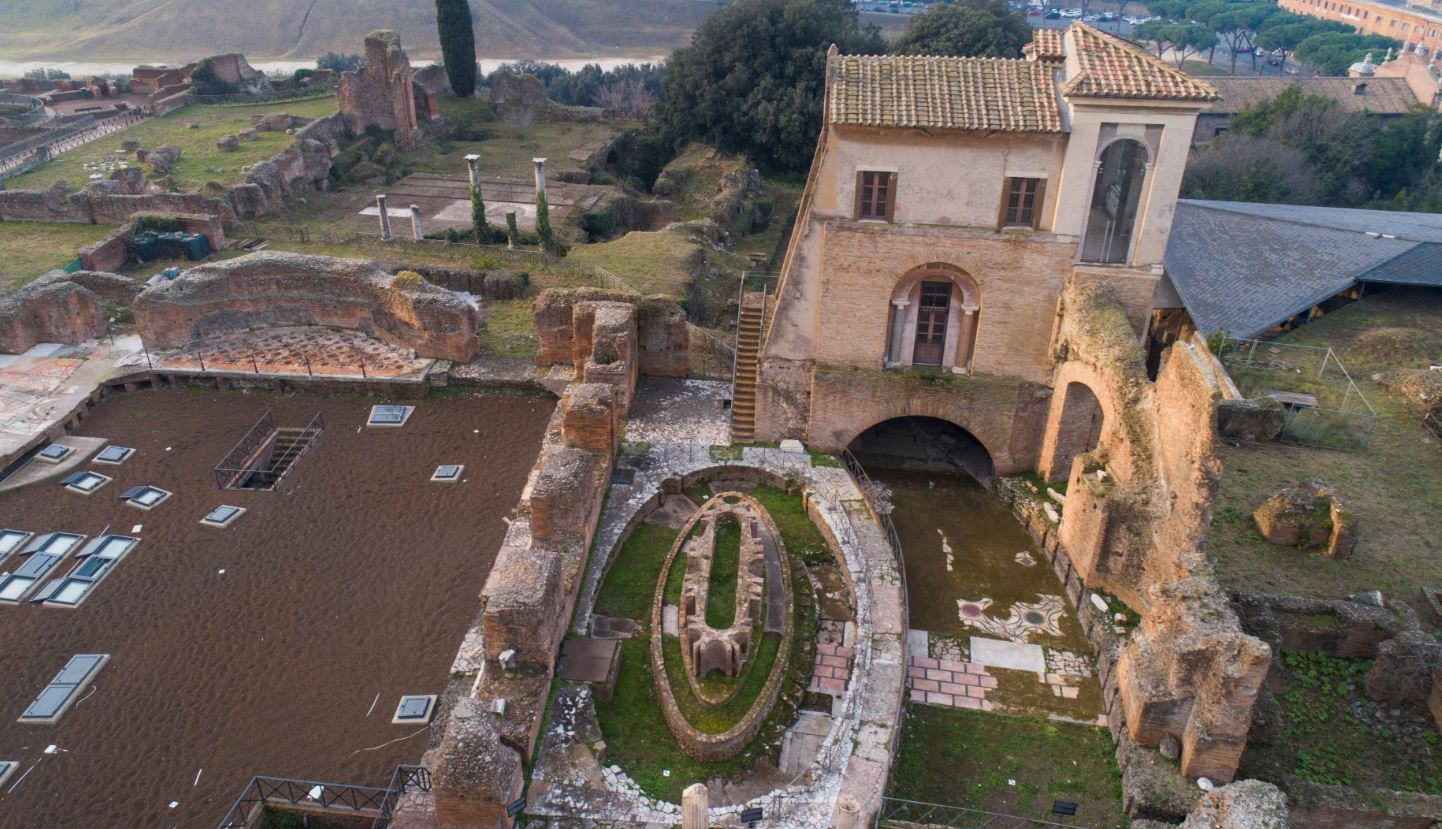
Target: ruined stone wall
column 273, row 185
column 380, row 94
column 662, row 339
column 273, row 289
column 99, row 207
column 1004, row 414
column 52, row 309
column 527, row 601
column 1133, row 523
column 108, row 254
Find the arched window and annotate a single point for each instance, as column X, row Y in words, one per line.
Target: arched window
column 1116, row 195
column 935, row 312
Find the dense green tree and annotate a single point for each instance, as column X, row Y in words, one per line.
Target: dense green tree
column 967, row 28
column 458, row 44
column 751, row 81
column 1183, row 37
column 1305, row 149
column 1331, row 53
column 338, row 63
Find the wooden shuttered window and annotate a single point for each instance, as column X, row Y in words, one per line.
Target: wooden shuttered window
column 875, row 195
column 1021, row 203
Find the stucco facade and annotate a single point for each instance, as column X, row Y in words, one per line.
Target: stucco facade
column 940, row 226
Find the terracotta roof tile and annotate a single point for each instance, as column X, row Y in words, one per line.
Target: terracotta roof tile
column 1046, row 44
column 943, row 92
column 1112, row 68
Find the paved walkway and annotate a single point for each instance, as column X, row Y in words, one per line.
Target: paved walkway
column 42, row 387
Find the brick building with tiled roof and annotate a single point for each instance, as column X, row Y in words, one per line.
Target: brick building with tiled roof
column 950, row 202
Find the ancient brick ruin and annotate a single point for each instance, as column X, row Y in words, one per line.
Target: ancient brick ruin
column 267, row 290
column 380, row 94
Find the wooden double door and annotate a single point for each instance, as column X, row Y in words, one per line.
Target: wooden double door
column 931, row 321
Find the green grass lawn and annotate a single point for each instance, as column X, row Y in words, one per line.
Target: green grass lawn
column 651, row 261
column 200, row 160
column 29, row 249
column 1011, row 765
column 1385, row 485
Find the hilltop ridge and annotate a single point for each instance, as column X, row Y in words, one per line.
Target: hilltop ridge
column 304, row 29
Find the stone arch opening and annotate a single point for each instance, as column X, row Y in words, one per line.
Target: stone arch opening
column 935, row 311
column 1116, row 200
column 1078, row 429
column 923, row 443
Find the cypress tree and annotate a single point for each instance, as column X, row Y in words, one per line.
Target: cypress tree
column 458, row 44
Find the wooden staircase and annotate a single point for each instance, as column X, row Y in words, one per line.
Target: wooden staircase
column 288, row 446
column 748, row 358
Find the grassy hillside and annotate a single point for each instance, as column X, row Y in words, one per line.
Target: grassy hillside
column 176, row 30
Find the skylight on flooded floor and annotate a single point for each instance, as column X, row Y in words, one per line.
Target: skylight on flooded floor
column 63, row 690
column 84, row 483
column 114, row 455
column 145, row 497
column 222, row 516
column 389, row 415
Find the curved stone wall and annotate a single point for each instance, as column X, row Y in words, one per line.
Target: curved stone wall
column 266, row 290
column 700, row 745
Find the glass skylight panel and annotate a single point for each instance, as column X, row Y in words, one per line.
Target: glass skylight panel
column 144, row 497
column 13, row 588
column 85, row 482
column 448, row 472
column 64, row 689
column 100, row 556
column 415, row 708
column 222, row 516
column 114, row 454
column 71, row 592
column 54, row 453
column 389, row 415
column 7, row 768
column 10, row 541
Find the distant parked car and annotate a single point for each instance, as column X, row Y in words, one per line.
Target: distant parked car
column 1033, row 12
column 1053, row 14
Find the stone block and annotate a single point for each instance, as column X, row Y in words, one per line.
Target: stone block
column 1248, row 804
column 590, row 418
column 525, row 605
column 228, row 144
column 476, row 774
column 563, row 496
column 51, row 309
column 1405, row 669
column 1308, row 516
column 1254, row 420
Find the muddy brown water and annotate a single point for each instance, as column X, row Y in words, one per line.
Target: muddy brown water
column 357, row 578
column 984, row 538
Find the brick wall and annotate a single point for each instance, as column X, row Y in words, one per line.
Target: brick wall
column 1020, row 281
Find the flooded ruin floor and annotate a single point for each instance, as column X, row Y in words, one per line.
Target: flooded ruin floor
column 961, row 546
column 278, row 646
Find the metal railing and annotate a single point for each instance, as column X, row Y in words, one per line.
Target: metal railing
column 249, row 466
column 242, row 456
column 34, row 110
column 286, row 794
column 895, row 812
column 22, row 156
column 711, row 357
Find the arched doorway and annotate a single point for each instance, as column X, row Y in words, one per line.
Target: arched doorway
column 1116, row 199
column 924, row 444
column 934, row 314
column 1078, row 430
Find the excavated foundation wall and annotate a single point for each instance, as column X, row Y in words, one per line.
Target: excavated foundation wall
column 530, row 595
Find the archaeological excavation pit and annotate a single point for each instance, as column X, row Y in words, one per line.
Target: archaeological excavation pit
column 279, row 645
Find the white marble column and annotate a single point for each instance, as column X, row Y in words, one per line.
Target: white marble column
column 898, row 332
column 848, row 813
column 540, row 176
column 385, row 219
column 966, row 340
column 473, row 165
column 696, row 807
column 417, row 232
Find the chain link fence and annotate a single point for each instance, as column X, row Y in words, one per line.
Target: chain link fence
column 1322, row 406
